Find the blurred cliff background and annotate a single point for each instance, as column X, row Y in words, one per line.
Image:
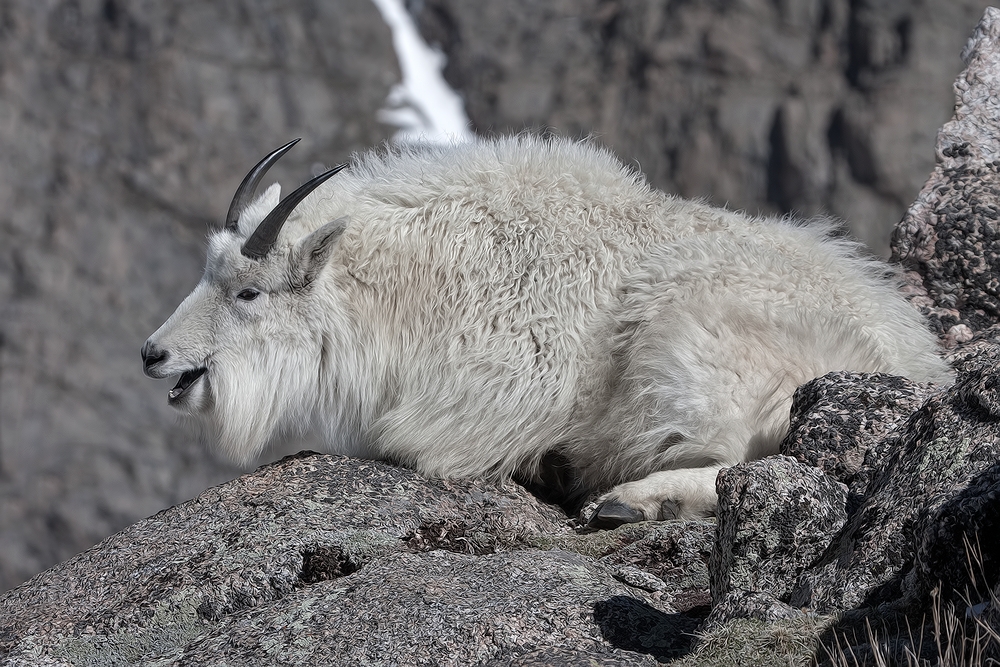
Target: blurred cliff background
column 125, row 127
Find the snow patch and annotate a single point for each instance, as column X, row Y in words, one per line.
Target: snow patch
column 424, row 107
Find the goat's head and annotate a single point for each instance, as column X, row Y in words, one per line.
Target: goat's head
column 242, row 341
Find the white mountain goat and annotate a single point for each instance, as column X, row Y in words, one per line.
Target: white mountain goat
column 493, row 309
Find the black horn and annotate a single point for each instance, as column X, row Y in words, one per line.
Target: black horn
column 262, row 240
column 244, row 193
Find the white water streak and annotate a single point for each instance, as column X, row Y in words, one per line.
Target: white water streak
column 424, row 107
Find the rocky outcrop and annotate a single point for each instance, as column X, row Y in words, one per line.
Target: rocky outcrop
column 944, row 447
column 776, row 516
column 949, row 236
column 842, row 423
column 791, row 540
column 325, row 560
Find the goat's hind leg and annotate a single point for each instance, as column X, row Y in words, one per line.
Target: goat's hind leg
column 685, row 493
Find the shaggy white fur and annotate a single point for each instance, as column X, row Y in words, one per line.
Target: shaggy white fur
column 469, row 310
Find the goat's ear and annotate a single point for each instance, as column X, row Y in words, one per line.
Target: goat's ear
column 258, row 209
column 311, row 253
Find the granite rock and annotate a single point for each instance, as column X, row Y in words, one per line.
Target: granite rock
column 917, row 535
column 921, row 497
column 842, row 422
column 948, row 238
column 322, row 559
column 776, row 517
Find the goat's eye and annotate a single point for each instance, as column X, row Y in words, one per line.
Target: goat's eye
column 248, row 295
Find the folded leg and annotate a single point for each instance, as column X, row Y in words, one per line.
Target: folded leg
column 687, row 493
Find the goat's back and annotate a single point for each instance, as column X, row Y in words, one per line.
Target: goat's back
column 497, row 284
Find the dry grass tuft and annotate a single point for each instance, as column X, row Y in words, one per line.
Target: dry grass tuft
column 950, row 637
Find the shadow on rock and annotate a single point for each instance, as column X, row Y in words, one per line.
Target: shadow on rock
column 630, row 624
column 957, row 551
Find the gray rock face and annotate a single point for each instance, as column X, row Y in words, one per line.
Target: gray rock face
column 948, row 238
column 815, row 106
column 946, row 445
column 776, row 517
column 938, row 485
column 847, row 425
column 126, row 129
column 445, row 608
column 790, row 539
column 325, row 560
column 841, row 423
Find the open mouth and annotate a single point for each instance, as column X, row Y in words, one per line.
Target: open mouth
column 186, row 381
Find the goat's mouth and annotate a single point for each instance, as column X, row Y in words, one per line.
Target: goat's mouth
column 184, row 384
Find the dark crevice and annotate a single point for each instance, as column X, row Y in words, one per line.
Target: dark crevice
column 325, row 563
column 784, row 181
column 110, row 12
column 876, row 42
column 24, row 282
column 556, row 482
column 639, row 65
column 849, row 141
column 904, row 28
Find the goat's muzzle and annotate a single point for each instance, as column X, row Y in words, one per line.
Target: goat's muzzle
column 152, row 357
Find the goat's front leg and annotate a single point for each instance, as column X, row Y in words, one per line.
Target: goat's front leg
column 686, row 493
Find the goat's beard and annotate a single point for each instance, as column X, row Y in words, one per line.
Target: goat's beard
column 255, row 400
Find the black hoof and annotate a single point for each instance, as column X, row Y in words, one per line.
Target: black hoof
column 611, row 514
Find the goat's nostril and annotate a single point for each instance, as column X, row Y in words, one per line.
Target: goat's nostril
column 152, row 355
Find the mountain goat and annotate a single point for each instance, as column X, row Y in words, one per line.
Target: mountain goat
column 488, row 309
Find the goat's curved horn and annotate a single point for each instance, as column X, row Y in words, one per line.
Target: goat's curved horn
column 244, row 193
column 263, row 238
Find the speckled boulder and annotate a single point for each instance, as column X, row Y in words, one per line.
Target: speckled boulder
column 949, row 239
column 434, row 608
column 310, row 518
column 939, row 482
column 327, row 560
column 671, row 560
column 842, row 422
column 967, row 523
column 776, row 516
